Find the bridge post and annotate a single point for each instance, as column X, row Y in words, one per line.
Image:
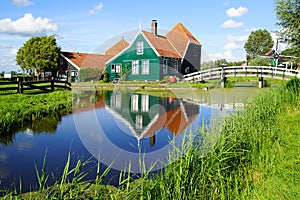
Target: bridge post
column 223, row 77
column 261, row 82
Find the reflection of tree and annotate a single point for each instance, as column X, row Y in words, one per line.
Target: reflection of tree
column 84, row 100
column 7, row 139
column 44, row 125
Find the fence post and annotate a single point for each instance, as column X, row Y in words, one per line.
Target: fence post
column 52, row 84
column 20, row 85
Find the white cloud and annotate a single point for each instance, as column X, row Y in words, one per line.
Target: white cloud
column 234, row 42
column 241, row 38
column 96, row 8
column 249, row 30
column 225, row 55
column 4, row 46
column 232, row 46
column 232, row 24
column 27, row 26
column 228, row 55
column 22, row 2
column 233, row 12
column 14, row 52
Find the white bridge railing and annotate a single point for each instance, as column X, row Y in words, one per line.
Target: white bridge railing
column 258, row 71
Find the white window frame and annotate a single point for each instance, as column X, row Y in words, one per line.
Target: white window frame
column 135, row 67
column 118, row 68
column 145, row 103
column 140, row 48
column 139, row 122
column 145, row 66
column 135, row 103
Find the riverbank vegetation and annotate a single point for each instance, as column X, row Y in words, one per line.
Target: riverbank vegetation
column 16, row 110
column 255, row 156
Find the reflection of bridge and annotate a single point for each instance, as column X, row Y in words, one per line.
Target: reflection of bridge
column 259, row 71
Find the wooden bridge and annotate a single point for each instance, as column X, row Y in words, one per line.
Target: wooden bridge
column 222, row 73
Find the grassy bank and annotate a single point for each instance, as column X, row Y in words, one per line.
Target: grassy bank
column 19, row 109
column 255, row 157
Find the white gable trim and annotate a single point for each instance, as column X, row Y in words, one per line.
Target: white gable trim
column 69, row 61
column 156, row 52
column 131, row 44
column 186, row 48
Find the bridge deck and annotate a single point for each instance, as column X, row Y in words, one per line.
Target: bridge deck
column 232, row 71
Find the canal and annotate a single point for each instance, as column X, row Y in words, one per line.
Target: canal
column 127, row 131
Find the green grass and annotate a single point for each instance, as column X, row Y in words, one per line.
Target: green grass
column 19, row 109
column 254, row 154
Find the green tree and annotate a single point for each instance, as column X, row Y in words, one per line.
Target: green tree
column 39, row 54
column 260, row 61
column 288, row 17
column 259, row 42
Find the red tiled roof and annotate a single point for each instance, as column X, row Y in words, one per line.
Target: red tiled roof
column 179, row 36
column 117, row 48
column 174, row 120
column 84, row 60
column 270, row 53
column 162, row 45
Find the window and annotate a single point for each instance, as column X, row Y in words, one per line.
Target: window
column 196, row 51
column 187, row 70
column 115, row 100
column 176, row 65
column 139, row 122
column 112, row 68
column 145, row 103
column 118, row 68
column 145, row 67
column 139, row 48
column 134, row 103
column 165, row 66
column 61, row 60
column 135, row 67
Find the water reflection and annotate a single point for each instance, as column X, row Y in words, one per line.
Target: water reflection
column 46, row 125
column 123, row 128
column 126, row 128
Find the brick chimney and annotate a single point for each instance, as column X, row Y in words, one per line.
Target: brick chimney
column 154, row 27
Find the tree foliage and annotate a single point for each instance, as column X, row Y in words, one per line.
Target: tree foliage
column 38, row 54
column 88, row 74
column 260, row 61
column 259, row 42
column 288, row 17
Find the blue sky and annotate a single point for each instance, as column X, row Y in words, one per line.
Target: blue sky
column 222, row 26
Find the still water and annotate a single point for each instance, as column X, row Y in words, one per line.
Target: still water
column 126, row 130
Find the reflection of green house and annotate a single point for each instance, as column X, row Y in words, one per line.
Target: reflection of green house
column 152, row 57
column 145, row 115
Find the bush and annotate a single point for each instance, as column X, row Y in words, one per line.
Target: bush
column 89, row 74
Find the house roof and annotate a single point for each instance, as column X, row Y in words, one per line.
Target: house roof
column 180, row 37
column 270, row 53
column 175, row 120
column 117, row 48
column 162, row 45
column 85, row 60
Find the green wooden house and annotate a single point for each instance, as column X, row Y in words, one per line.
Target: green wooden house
column 153, row 57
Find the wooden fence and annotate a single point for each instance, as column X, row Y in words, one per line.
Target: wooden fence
column 44, row 85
